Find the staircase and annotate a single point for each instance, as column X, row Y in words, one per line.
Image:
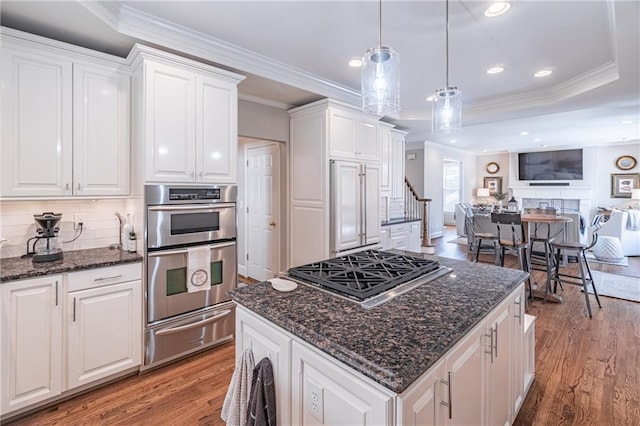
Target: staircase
column 418, row 208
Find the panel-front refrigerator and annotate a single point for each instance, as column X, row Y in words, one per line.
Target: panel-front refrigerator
column 355, row 206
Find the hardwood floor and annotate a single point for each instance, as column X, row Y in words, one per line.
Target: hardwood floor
column 587, row 371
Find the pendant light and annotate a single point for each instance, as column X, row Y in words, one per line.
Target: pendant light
column 380, row 77
column 447, row 102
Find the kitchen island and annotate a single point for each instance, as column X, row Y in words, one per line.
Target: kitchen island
column 455, row 348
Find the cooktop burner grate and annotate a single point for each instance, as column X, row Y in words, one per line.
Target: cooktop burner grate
column 365, row 274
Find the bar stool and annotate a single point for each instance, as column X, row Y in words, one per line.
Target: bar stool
column 545, row 261
column 580, row 250
column 515, row 244
column 476, row 238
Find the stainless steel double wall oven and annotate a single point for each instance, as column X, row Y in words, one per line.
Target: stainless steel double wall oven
column 179, row 220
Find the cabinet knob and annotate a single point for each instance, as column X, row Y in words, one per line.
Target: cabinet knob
column 272, row 224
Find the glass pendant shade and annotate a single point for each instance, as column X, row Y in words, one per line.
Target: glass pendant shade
column 447, row 110
column 380, row 82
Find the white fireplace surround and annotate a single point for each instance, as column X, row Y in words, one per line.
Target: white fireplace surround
column 581, row 193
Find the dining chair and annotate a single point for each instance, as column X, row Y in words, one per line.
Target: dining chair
column 515, row 242
column 580, row 251
column 476, row 238
column 541, row 238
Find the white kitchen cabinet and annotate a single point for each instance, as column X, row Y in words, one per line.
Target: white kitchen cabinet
column 326, row 393
column 397, row 165
column 415, row 241
column 498, row 343
column 403, row 236
column 31, row 332
column 186, row 118
column 352, row 135
column 384, row 136
column 384, row 238
column 65, row 121
column 264, row 341
column 518, row 355
column 421, row 404
column 104, row 323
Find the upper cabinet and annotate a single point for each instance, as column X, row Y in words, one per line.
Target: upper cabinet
column 185, row 118
column 352, row 136
column 65, row 120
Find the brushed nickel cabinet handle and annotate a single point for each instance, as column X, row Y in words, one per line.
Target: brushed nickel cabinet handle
column 449, row 403
column 74, row 309
column 107, row 278
column 56, row 292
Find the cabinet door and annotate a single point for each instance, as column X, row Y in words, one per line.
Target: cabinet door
column 36, row 124
column 384, row 135
column 101, row 131
column 169, row 129
column 342, row 134
column 367, row 148
column 346, row 215
column 397, row 168
column 325, row 393
column 517, row 351
column 216, row 130
column 31, row 341
column 265, row 341
column 399, row 236
column 499, row 363
column 465, row 376
column 384, row 238
column 415, row 241
column 104, row 331
column 371, row 209
column 421, row 404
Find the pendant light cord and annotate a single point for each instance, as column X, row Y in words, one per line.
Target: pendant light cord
column 447, row 41
column 379, row 23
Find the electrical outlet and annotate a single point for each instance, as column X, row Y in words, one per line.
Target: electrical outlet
column 77, row 220
column 316, row 400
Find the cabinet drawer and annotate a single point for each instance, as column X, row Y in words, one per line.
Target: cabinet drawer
column 103, row 276
column 401, row 228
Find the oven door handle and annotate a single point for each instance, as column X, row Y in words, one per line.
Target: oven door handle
column 212, row 206
column 193, row 325
column 185, row 251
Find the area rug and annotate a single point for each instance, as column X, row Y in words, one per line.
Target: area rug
column 618, row 286
column 459, row 240
column 592, row 258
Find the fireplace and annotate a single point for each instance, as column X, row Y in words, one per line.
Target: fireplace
column 574, row 198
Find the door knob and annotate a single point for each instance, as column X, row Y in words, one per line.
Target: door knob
column 272, row 223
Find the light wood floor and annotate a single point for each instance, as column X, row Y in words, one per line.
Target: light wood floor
column 587, row 371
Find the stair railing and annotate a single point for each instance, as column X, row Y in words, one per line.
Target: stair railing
column 416, row 207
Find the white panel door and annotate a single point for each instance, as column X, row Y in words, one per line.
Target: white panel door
column 263, row 207
column 367, row 141
column 101, row 131
column 216, row 130
column 36, row 124
column 169, row 124
column 342, row 134
column 31, row 336
column 345, row 205
column 371, row 209
column 104, row 331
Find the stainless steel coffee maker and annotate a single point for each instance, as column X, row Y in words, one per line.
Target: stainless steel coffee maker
column 46, row 244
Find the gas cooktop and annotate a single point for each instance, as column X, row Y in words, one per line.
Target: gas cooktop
column 370, row 277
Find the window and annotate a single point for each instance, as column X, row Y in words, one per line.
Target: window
column 451, row 173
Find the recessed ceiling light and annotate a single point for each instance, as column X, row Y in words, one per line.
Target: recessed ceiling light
column 453, row 141
column 627, row 122
column 355, row 63
column 525, row 133
column 495, row 70
column 542, row 73
column 537, row 140
column 497, row 9
column 430, row 99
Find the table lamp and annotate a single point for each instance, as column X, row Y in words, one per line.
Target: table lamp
column 482, row 195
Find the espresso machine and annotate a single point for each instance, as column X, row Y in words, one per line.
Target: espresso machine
column 46, row 245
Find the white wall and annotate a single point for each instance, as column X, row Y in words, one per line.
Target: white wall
column 503, row 161
column 414, row 169
column 262, row 121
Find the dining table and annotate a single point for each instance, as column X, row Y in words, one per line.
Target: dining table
column 528, row 218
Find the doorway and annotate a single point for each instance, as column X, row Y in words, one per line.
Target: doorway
column 262, row 224
column 451, row 189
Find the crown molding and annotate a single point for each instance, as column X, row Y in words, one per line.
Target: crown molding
column 134, row 23
column 263, row 101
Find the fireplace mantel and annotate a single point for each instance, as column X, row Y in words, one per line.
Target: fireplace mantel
column 582, row 193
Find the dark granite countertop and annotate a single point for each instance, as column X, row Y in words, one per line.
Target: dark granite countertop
column 399, row 220
column 394, row 343
column 16, row 268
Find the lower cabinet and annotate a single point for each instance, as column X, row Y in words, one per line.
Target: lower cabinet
column 103, row 335
column 63, row 332
column 402, row 236
column 31, row 337
column 422, row 403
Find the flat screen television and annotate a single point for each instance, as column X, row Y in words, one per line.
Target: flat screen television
column 550, row 165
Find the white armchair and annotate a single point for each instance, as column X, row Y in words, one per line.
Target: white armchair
column 616, row 226
column 460, row 215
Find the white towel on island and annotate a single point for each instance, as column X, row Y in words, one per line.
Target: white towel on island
column 236, row 403
column 633, row 220
column 198, row 269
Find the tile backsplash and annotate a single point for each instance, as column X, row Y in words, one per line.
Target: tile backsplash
column 100, row 224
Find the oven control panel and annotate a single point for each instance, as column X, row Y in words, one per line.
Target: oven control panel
column 183, row 194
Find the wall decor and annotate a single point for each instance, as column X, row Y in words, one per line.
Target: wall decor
column 492, row 167
column 626, row 162
column 623, row 183
column 494, row 184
